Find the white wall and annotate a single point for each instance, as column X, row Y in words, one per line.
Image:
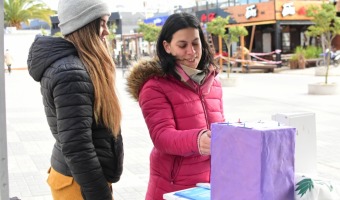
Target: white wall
column 18, row 42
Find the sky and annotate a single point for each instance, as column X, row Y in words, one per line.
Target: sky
column 137, row 5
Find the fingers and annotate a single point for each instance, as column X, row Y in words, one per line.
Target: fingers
column 204, row 143
column 208, row 132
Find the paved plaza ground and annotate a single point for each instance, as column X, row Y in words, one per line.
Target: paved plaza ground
column 257, row 97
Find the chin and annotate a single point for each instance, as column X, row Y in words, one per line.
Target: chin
column 193, row 66
column 190, row 64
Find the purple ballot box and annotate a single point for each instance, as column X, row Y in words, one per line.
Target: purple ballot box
column 252, row 161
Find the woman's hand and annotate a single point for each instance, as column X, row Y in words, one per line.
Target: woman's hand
column 204, row 142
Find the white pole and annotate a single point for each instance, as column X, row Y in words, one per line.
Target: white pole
column 4, row 188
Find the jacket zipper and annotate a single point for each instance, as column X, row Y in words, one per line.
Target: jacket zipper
column 197, row 90
column 203, row 105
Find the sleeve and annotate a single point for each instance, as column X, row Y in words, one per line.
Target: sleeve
column 73, row 97
column 160, row 120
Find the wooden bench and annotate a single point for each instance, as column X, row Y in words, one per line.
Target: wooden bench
column 267, row 68
column 312, row 62
column 284, row 58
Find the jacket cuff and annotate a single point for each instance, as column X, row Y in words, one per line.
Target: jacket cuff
column 198, row 140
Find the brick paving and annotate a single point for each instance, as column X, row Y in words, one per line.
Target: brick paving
column 258, row 97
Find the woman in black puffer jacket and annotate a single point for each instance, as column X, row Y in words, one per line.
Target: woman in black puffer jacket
column 77, row 77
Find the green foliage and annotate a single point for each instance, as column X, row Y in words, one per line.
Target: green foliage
column 306, row 53
column 325, row 21
column 112, row 34
column 299, row 54
column 218, row 27
column 17, row 11
column 43, row 31
column 312, row 52
column 304, row 185
column 58, row 34
column 326, row 25
column 236, row 31
column 150, row 31
column 111, row 38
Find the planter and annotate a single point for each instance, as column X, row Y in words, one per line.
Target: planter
column 311, row 62
column 333, row 71
column 293, row 64
column 323, row 89
column 229, row 82
column 302, row 64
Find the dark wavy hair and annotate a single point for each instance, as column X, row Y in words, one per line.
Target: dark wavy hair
column 174, row 23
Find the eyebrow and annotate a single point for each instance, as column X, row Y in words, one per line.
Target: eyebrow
column 181, row 41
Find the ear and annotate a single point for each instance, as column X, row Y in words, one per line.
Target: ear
column 167, row 47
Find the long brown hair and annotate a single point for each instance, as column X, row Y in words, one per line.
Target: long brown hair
column 96, row 57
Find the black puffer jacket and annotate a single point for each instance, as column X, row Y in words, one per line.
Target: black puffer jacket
column 83, row 149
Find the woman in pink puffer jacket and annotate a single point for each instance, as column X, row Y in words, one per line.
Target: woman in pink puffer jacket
column 180, row 96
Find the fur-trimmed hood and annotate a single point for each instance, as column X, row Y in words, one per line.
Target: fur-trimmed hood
column 140, row 72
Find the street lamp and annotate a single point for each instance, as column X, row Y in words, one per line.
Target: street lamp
column 216, row 6
column 207, row 17
column 206, row 9
column 144, row 5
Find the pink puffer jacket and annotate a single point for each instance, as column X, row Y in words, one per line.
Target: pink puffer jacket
column 175, row 112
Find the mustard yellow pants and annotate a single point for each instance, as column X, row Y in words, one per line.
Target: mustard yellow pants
column 64, row 187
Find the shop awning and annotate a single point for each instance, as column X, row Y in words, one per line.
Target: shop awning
column 158, row 21
column 282, row 22
column 253, row 23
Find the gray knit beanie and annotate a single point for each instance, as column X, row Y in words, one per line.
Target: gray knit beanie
column 74, row 14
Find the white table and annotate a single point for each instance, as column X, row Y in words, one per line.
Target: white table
column 322, row 190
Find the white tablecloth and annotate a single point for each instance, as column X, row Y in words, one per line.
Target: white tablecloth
column 306, row 188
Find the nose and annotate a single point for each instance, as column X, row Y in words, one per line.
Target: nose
column 105, row 32
column 191, row 49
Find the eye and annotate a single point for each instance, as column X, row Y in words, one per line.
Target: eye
column 182, row 45
column 103, row 23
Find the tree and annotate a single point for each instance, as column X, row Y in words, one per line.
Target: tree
column 112, row 30
column 58, row 34
column 150, row 33
column 326, row 25
column 218, row 27
column 112, row 39
column 17, row 11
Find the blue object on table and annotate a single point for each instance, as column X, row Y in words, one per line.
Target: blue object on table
column 196, row 193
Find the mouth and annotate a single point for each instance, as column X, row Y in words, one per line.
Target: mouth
column 191, row 59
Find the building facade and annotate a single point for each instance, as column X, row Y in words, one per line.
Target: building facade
column 271, row 24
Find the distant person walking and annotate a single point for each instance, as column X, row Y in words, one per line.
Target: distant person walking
column 8, row 60
column 125, row 61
